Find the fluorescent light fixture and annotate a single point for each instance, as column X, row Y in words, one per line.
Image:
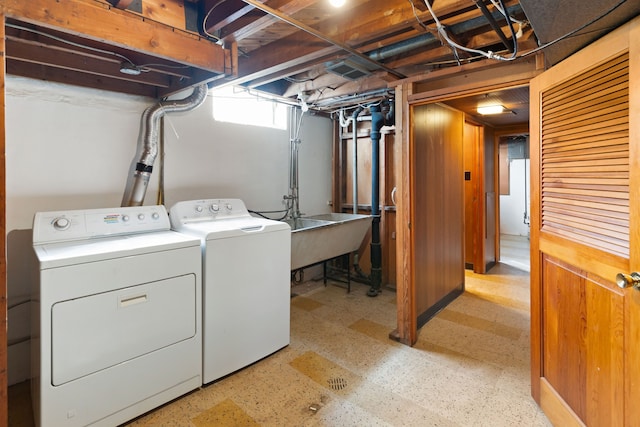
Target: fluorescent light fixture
column 491, row 109
column 337, row 3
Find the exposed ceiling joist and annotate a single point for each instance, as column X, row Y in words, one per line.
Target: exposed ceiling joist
column 284, row 47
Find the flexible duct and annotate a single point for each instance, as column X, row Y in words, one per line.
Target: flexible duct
column 148, row 142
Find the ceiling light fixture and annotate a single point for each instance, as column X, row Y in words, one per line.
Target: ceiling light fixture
column 491, row 109
column 337, row 3
column 130, row 69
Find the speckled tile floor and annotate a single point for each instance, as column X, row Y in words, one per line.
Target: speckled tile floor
column 470, row 366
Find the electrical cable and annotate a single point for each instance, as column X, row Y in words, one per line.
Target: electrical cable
column 142, row 68
column 206, row 17
column 504, row 13
column 443, row 34
column 60, row 39
column 491, row 55
column 286, row 212
column 422, row 24
column 570, row 33
column 513, row 33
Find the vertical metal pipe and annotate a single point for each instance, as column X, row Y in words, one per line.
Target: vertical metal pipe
column 292, row 200
column 354, row 169
column 377, row 121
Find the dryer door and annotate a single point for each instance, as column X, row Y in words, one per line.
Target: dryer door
column 99, row 331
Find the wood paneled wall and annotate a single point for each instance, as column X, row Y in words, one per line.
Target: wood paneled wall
column 438, row 214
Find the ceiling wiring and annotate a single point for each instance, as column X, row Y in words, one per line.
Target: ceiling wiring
column 571, row 33
column 206, row 17
column 60, row 39
column 140, row 68
column 422, row 24
column 443, row 33
column 492, row 55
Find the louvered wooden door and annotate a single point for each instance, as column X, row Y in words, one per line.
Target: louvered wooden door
column 585, row 149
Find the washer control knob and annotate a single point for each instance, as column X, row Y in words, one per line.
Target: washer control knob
column 214, row 207
column 61, row 223
column 155, row 215
column 229, row 206
column 141, row 216
column 198, row 208
column 125, row 218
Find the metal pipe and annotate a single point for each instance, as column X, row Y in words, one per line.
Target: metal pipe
column 292, row 199
column 378, row 120
column 354, row 169
column 137, row 183
column 424, row 40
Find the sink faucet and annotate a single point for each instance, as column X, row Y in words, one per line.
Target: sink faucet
column 292, row 205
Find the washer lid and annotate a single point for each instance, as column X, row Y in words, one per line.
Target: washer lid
column 232, row 227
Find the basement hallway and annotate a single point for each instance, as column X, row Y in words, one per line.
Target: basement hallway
column 470, row 366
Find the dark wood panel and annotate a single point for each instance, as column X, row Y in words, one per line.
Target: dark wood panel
column 438, row 214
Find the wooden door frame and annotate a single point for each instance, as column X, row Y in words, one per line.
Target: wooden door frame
column 502, row 76
column 478, row 176
column 3, row 232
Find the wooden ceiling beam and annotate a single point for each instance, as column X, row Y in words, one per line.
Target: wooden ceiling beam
column 243, row 17
column 377, row 81
column 374, row 20
column 289, row 7
column 100, row 22
column 100, row 67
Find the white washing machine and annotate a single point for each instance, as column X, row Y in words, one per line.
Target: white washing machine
column 245, row 282
column 117, row 328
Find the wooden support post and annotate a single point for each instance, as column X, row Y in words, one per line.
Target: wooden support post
column 3, row 232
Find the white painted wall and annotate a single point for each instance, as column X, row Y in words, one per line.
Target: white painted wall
column 71, row 148
column 512, row 207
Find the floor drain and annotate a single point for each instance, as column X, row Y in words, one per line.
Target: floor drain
column 337, row 383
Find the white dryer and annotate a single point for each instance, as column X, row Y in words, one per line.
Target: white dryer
column 117, row 328
column 246, row 284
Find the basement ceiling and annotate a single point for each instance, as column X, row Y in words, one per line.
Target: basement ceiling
column 330, row 57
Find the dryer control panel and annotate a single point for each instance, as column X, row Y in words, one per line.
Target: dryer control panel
column 60, row 226
column 207, row 210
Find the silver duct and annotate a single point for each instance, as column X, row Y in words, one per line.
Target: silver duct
column 148, row 142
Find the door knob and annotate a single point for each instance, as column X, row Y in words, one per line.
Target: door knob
column 626, row 280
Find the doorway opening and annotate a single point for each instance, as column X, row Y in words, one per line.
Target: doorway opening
column 514, row 186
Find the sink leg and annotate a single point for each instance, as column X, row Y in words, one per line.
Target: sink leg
column 348, row 273
column 324, row 272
